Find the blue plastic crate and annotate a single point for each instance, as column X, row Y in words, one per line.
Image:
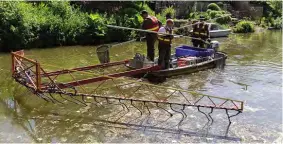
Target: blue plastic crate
column 185, row 50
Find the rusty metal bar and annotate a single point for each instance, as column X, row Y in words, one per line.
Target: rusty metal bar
column 38, row 77
column 22, row 57
column 151, row 101
column 84, row 68
column 96, row 79
column 13, row 63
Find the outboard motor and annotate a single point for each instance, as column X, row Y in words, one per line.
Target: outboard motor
column 214, row 45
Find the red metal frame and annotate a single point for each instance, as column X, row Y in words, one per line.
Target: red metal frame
column 84, row 68
column 40, row 87
column 41, row 73
column 20, row 56
column 101, row 78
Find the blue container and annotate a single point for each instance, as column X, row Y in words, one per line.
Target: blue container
column 185, row 50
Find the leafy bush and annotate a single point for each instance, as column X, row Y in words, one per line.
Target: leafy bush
column 213, row 6
column 148, row 9
column 168, row 12
column 196, row 15
column 129, row 11
column 222, row 19
column 277, row 23
column 244, row 27
column 275, row 8
column 161, row 18
column 52, row 23
column 271, row 22
column 213, row 13
column 220, row 4
column 14, row 32
column 263, row 22
column 118, row 35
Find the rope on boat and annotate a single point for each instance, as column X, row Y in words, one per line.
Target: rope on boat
column 141, row 30
column 148, row 31
column 126, row 42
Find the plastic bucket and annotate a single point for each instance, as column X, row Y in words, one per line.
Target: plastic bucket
column 192, row 51
column 103, row 54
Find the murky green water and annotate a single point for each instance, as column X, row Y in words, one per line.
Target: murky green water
column 253, row 74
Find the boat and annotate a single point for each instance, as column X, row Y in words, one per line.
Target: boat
column 202, row 59
column 216, row 31
column 274, row 28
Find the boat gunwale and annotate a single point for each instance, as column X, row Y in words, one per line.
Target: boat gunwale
column 224, row 55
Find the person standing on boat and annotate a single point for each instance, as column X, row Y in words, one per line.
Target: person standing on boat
column 200, row 31
column 164, row 45
column 153, row 24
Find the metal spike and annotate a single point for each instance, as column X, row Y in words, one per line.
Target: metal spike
column 208, row 120
column 138, row 110
column 125, row 113
column 229, row 116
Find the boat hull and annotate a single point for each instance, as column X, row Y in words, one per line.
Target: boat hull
column 219, row 33
column 219, row 61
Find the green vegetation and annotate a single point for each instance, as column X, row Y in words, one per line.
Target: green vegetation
column 221, row 17
column 25, row 25
column 272, row 17
column 271, row 22
column 55, row 23
column 213, row 6
column 244, row 27
column 169, row 12
column 272, row 14
column 277, row 23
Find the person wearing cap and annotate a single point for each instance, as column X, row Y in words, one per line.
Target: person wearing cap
column 153, row 24
column 164, row 45
column 200, row 31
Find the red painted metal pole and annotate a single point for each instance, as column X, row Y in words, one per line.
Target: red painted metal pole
column 38, row 77
column 84, row 68
column 13, row 63
column 96, row 79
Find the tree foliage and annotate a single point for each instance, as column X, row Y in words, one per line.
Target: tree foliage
column 213, row 6
column 244, row 27
column 53, row 23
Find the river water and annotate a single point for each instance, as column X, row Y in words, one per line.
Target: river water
column 253, row 74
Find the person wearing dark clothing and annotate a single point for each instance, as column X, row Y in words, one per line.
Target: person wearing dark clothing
column 153, row 24
column 201, row 31
column 164, row 45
